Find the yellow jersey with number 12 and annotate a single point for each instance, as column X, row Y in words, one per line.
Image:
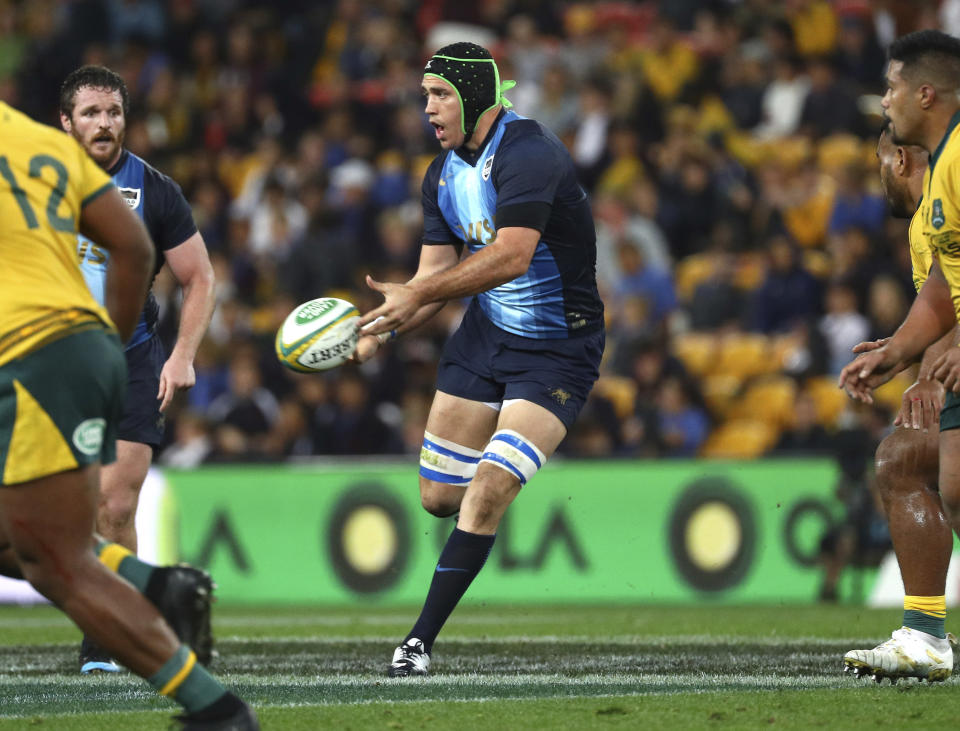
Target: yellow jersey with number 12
column 46, row 178
column 940, row 207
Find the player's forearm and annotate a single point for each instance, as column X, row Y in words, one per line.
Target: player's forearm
column 195, row 314
column 490, row 267
column 931, row 317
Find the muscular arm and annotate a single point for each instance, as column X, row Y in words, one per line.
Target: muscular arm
column 433, row 259
column 192, row 270
column 931, row 318
column 507, row 258
column 109, row 222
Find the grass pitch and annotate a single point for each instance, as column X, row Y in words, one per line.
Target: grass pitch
column 497, row 667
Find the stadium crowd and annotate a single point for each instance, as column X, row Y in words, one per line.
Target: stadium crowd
column 728, row 147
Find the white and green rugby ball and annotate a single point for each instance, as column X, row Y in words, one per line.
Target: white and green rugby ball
column 318, row 335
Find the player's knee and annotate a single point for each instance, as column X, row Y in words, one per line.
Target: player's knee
column 117, row 510
column 446, row 469
column 904, row 462
column 438, row 499
column 889, row 463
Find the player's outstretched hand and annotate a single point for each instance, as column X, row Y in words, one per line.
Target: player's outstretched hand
column 400, row 303
column 946, row 369
column 921, row 405
column 176, row 374
column 868, row 345
column 868, row 371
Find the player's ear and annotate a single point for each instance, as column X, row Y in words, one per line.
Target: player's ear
column 901, row 166
column 65, row 122
column 927, row 95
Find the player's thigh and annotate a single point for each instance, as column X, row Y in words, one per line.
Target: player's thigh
column 950, row 473
column 534, row 423
column 462, row 421
column 48, row 521
column 130, row 469
column 906, row 456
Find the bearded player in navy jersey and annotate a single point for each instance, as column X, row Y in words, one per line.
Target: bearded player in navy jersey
column 516, row 373
column 93, row 108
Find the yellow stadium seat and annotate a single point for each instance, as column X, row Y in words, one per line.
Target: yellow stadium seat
column 621, row 392
column 745, row 355
column 697, row 351
column 830, row 400
column 740, row 439
column 690, row 272
column 770, row 398
column 719, row 390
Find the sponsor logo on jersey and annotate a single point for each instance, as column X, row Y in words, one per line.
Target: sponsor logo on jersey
column 88, row 436
column 131, row 196
column 487, row 167
column 936, row 215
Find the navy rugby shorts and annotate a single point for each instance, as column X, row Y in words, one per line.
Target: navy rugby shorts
column 142, row 421
column 481, row 362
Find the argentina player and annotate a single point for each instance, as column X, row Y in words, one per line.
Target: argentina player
column 93, row 108
column 518, row 370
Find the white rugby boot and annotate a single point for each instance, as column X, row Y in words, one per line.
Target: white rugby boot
column 409, row 659
column 908, row 653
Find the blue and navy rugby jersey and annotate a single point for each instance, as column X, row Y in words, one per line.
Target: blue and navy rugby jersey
column 159, row 202
column 521, row 175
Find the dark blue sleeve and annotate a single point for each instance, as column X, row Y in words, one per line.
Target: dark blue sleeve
column 167, row 214
column 435, row 228
column 526, row 173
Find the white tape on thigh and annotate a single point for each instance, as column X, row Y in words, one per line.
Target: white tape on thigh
column 444, row 461
column 514, row 453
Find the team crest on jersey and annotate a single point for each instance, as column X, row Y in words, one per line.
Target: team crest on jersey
column 487, row 167
column 131, row 196
column 936, row 215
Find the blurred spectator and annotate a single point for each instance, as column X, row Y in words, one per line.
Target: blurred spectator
column 682, row 424
column 783, row 99
column 191, row 445
column 789, row 293
column 831, row 106
column 805, row 436
column 717, row 301
column 247, row 409
column 842, row 325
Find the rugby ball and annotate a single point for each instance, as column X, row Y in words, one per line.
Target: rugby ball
column 318, row 335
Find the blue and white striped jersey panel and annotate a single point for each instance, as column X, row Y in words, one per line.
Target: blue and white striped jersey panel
column 531, row 305
column 94, row 259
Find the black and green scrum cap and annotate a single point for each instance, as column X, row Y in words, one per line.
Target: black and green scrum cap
column 473, row 74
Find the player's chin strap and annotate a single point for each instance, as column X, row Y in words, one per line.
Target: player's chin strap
column 511, row 451
column 505, row 86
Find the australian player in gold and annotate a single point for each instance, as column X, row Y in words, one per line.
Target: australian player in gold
column 62, row 374
column 907, row 460
column 922, row 104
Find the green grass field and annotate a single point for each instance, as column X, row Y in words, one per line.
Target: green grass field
column 497, row 667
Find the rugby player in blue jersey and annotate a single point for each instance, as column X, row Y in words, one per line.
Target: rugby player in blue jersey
column 516, row 373
column 93, row 109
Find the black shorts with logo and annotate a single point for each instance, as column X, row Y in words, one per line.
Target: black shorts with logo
column 483, row 363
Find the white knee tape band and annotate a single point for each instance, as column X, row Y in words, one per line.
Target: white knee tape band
column 515, row 454
column 444, row 461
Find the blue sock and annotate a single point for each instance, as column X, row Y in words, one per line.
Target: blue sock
column 460, row 561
